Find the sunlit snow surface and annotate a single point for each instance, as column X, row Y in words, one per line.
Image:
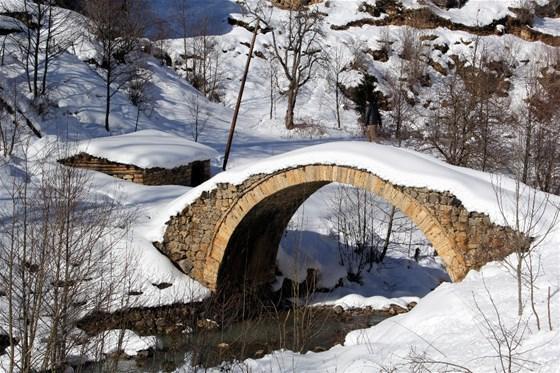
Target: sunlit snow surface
column 146, row 149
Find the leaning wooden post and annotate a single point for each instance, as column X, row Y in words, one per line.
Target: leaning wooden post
column 239, row 97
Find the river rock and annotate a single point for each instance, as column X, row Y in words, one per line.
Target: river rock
column 162, row 285
column 207, row 324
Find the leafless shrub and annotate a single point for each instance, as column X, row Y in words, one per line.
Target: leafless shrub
column 199, row 115
column 57, row 250
column 505, row 338
column 422, row 362
column 337, row 63
column 358, row 217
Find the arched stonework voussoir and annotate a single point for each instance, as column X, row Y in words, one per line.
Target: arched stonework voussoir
column 413, row 205
column 237, row 228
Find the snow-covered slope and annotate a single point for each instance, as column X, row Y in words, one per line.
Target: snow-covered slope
column 446, row 324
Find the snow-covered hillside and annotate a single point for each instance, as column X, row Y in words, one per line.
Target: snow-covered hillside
column 458, row 327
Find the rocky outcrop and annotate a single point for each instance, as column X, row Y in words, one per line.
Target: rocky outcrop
column 293, row 4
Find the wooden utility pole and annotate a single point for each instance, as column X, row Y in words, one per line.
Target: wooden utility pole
column 239, row 97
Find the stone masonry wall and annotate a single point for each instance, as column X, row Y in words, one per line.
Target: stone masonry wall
column 294, row 4
column 198, row 238
column 182, row 175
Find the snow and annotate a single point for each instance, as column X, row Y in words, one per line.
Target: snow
column 397, row 280
column 125, row 340
column 445, row 323
column 478, row 12
column 131, row 343
column 147, row 149
column 377, row 302
column 210, row 16
column 550, row 26
column 148, row 266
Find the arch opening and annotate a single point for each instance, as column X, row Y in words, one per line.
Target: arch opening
column 247, row 240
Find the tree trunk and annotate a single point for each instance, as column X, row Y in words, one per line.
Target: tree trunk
column 519, row 274
column 47, row 52
column 388, row 235
column 337, row 97
column 271, row 94
column 36, row 72
column 108, row 100
column 527, row 153
column 289, row 120
column 137, row 118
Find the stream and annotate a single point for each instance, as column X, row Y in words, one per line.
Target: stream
column 304, row 329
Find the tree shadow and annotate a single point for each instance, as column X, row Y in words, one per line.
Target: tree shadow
column 209, row 14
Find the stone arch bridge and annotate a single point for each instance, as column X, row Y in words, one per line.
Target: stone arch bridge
column 231, row 233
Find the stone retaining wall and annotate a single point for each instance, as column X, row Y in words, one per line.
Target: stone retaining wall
column 191, row 174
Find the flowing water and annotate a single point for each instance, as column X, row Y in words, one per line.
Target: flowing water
column 305, row 329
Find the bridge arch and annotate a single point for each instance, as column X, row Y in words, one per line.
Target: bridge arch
column 239, row 227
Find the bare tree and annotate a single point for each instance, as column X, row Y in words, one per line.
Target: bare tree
column 505, row 338
column 116, row 26
column 199, row 116
column 297, row 49
column 358, row 220
column 543, row 118
column 46, row 34
column 160, row 35
column 182, row 21
column 401, row 113
column 451, row 129
column 204, row 62
column 337, row 62
column 9, row 128
column 273, row 83
column 138, row 92
column 60, row 35
column 534, row 216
